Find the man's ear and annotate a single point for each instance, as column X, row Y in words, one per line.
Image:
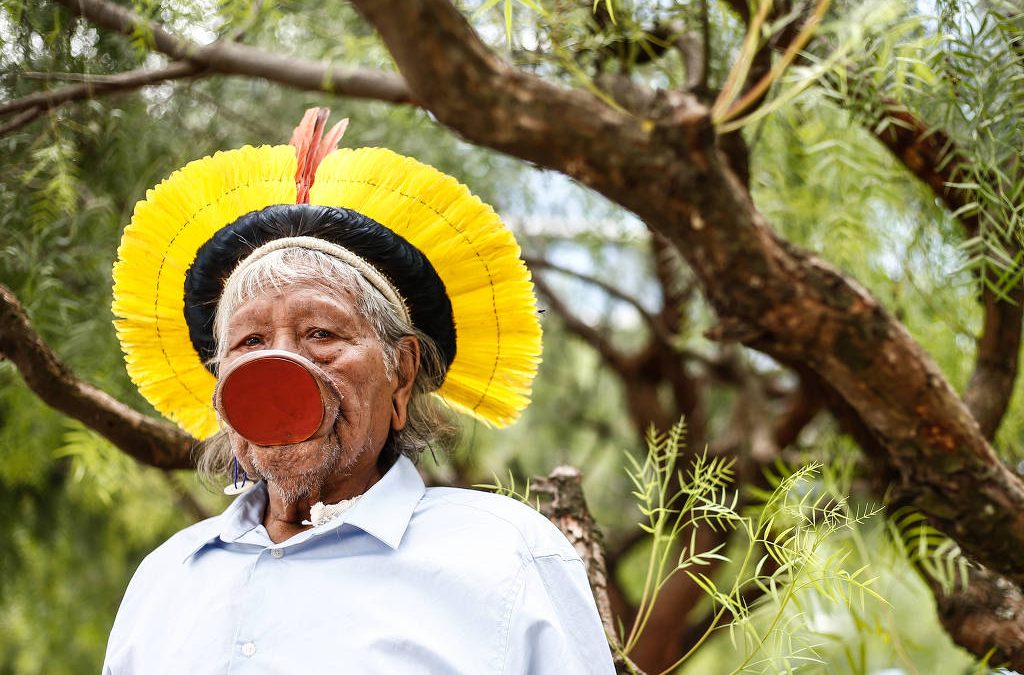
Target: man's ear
column 408, row 368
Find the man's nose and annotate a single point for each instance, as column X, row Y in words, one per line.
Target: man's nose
column 285, row 340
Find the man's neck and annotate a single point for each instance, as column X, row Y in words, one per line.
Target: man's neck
column 284, row 517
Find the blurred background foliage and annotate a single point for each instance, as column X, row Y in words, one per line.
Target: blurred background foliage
column 78, row 515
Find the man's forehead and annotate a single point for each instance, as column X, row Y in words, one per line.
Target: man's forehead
column 298, row 299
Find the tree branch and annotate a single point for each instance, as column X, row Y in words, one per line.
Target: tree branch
column 492, row 103
column 232, row 58
column 615, row 359
column 930, row 155
column 933, row 158
column 534, row 262
column 792, row 17
column 42, row 101
column 991, row 385
column 148, row 440
column 803, row 408
column 986, row 615
column 21, row 120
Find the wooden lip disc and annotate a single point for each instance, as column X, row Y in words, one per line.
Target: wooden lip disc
column 272, row 400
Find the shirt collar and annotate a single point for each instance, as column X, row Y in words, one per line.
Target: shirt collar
column 244, row 514
column 384, row 511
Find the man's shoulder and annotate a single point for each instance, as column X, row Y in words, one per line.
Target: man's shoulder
column 184, row 543
column 491, row 516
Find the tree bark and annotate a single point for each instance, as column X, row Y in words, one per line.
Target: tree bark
column 932, row 156
column 987, row 614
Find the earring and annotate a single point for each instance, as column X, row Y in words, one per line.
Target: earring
column 237, row 488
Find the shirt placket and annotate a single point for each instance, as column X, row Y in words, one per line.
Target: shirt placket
column 250, row 643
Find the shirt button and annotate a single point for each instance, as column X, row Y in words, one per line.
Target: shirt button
column 249, row 648
column 277, row 552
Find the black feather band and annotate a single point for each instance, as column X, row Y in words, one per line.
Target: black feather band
column 402, row 263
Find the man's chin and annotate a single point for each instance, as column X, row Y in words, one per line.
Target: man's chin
column 296, row 471
column 292, row 489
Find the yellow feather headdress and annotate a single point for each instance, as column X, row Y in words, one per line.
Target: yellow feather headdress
column 497, row 333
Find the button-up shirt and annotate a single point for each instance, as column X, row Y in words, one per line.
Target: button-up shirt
column 409, row 580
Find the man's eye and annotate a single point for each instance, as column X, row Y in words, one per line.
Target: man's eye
column 319, row 334
column 252, row 341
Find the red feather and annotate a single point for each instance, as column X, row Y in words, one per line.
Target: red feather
column 311, row 146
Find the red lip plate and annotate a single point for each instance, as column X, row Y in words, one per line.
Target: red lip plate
column 272, row 401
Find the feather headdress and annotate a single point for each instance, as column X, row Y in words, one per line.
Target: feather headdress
column 405, row 208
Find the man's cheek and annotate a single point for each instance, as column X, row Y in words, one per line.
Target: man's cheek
column 242, row 452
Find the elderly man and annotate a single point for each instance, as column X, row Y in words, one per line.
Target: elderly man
column 319, row 329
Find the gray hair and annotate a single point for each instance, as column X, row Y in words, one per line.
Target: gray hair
column 427, row 425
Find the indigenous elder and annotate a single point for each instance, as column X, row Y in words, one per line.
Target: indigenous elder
column 317, row 297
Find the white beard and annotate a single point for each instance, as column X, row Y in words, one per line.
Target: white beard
column 290, row 486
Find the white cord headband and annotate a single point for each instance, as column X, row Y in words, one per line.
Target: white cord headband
column 368, row 271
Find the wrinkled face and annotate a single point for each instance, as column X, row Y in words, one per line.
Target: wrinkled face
column 330, row 331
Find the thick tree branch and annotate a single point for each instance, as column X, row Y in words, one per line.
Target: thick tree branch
column 148, row 440
column 492, row 103
column 930, row 155
column 232, row 58
column 990, row 388
column 793, row 306
column 987, row 614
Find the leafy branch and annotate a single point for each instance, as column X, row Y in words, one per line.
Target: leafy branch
column 785, row 542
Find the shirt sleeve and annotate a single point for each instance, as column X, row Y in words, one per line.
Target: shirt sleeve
column 119, row 642
column 555, row 627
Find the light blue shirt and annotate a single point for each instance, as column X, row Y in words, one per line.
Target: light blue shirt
column 409, row 580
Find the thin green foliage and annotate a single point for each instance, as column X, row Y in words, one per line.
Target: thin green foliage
column 512, row 490
column 672, row 513
column 836, row 39
column 507, row 13
column 243, row 16
column 142, row 39
column 94, row 460
column 51, row 176
column 960, row 73
column 784, row 550
column 928, row 551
